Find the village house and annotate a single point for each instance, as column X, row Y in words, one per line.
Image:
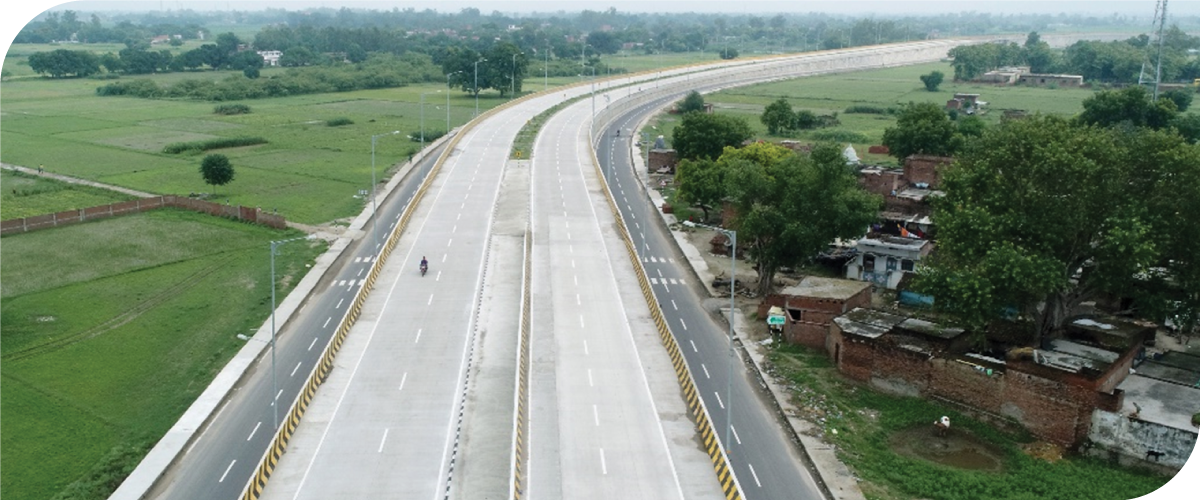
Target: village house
column 884, row 259
column 810, row 306
column 1051, row 390
column 270, row 57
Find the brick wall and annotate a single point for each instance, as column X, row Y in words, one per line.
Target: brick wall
column 925, row 168
column 662, row 158
column 1053, row 405
column 23, row 225
column 883, row 183
column 816, row 314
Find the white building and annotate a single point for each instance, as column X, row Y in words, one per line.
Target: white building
column 270, row 57
column 884, row 259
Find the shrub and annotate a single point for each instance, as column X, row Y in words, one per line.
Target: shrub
column 231, row 109
column 337, row 122
column 430, row 135
column 867, row 109
column 839, row 136
column 932, row 80
column 218, row 143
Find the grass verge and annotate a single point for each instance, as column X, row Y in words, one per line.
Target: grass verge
column 97, row 366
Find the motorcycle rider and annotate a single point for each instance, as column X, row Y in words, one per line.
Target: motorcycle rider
column 424, row 264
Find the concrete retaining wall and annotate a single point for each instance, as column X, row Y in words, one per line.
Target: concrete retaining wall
column 1141, row 442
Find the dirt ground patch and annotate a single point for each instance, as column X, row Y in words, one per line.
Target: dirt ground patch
column 958, row 448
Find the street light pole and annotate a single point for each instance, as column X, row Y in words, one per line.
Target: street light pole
column 274, row 380
column 513, row 81
column 476, row 88
column 448, row 99
column 374, row 205
column 546, row 77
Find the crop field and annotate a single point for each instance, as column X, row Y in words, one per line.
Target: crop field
column 890, row 87
column 102, row 355
column 308, row 171
column 27, row 195
column 868, row 426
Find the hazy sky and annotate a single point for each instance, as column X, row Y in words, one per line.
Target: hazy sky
column 749, row 6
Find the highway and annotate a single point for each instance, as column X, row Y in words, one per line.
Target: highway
column 767, row 465
column 229, row 447
column 389, row 419
column 597, row 429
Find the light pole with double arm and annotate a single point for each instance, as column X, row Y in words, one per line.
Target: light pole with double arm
column 513, row 81
column 274, row 380
column 476, row 87
column 374, row 205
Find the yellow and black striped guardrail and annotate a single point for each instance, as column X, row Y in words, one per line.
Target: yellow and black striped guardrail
column 521, row 425
column 696, row 407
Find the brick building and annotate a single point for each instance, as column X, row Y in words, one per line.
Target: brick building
column 811, row 305
column 1052, row 392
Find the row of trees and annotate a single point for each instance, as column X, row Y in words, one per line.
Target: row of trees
column 780, row 118
column 379, row 71
column 1114, row 62
column 67, row 26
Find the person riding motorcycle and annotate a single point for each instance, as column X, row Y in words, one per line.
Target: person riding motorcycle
column 424, row 265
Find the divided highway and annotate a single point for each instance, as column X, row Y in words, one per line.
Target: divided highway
column 388, row 421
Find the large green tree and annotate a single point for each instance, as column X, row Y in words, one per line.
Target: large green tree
column 1130, row 106
column 922, row 128
column 789, row 207
column 701, row 135
column 778, row 117
column 216, row 170
column 701, row 183
column 61, row 62
column 1042, row 214
column 693, row 102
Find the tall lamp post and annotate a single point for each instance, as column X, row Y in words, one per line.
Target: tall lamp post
column 375, row 206
column 546, row 76
column 732, row 305
column 513, row 81
column 476, row 87
column 448, row 99
column 423, row 116
column 274, row 381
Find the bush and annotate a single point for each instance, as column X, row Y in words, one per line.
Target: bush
column 839, row 136
column 231, row 109
column 932, row 80
column 866, row 109
column 430, row 135
column 218, row 143
column 337, row 122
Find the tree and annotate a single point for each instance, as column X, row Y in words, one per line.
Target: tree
column 922, row 128
column 778, row 117
column 297, row 56
column 701, row 183
column 1130, row 106
column 61, row 62
column 1042, row 214
column 693, row 102
column 216, row 170
column 1188, row 126
column 729, row 53
column 1181, row 97
column 701, row 135
column 932, row 80
column 788, row 207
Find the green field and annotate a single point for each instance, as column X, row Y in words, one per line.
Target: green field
column 889, row 87
column 309, row 171
column 26, row 195
column 111, row 330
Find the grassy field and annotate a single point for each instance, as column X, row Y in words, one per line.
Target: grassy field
column 867, row 423
column 102, row 355
column 889, row 87
column 309, row 171
column 27, row 195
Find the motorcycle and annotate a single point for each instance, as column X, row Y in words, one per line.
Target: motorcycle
column 424, row 268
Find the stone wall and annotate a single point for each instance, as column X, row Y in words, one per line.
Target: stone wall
column 925, row 169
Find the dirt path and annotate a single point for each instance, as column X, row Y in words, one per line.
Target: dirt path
column 76, row 180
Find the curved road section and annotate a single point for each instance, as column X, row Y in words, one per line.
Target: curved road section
column 408, row 403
